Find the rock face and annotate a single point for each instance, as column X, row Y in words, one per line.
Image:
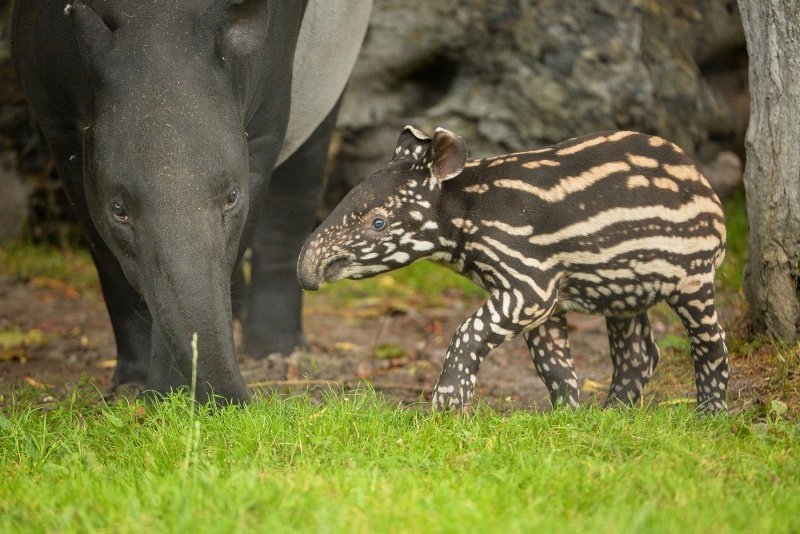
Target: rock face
column 509, row 75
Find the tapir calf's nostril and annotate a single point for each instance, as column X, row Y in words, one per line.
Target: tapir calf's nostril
column 335, row 267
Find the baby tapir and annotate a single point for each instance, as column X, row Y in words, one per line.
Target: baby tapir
column 609, row 223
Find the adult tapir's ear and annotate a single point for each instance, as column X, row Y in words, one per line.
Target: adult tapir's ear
column 248, row 21
column 412, row 143
column 94, row 31
column 448, row 155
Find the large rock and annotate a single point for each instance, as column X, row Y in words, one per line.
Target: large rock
column 509, row 75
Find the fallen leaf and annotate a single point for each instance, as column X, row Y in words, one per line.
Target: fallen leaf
column 292, row 371
column 388, row 351
column 45, row 282
column 35, row 383
column 590, row 386
column 675, row 402
column 363, row 370
column 14, row 343
column 778, row 407
column 386, row 282
column 14, row 337
column 437, row 327
column 345, row 346
column 14, row 353
column 107, row 364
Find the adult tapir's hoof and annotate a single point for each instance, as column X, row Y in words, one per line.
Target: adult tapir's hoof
column 259, row 345
column 203, row 394
column 272, row 327
column 128, row 391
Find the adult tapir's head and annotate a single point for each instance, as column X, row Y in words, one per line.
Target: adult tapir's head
column 390, row 219
column 166, row 167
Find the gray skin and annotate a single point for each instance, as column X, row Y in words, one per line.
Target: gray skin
column 165, row 120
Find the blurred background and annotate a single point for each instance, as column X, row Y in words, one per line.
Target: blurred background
column 506, row 75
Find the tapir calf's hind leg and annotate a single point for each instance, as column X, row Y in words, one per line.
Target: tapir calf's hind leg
column 709, row 352
column 634, row 355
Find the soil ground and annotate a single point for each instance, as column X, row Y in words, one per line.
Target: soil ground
column 396, row 345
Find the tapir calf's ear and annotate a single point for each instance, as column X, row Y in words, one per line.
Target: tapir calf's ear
column 247, row 26
column 412, row 143
column 448, row 155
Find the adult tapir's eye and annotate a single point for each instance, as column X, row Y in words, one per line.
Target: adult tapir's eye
column 233, row 198
column 119, row 212
column 378, row 224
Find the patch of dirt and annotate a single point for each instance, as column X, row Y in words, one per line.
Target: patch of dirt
column 409, row 341
column 76, row 336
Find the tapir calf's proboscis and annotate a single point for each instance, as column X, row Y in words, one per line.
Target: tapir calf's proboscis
column 609, row 223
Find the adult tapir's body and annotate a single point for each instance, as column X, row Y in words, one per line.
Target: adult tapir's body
column 166, row 119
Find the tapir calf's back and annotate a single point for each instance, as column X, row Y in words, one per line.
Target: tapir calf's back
column 616, row 220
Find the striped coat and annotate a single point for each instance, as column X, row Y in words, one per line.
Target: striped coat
column 609, row 223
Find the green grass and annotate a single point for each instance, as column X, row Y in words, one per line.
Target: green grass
column 27, row 261
column 353, row 463
column 730, row 272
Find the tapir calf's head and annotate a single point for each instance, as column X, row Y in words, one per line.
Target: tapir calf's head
column 391, row 218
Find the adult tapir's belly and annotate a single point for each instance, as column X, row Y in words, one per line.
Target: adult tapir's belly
column 327, row 47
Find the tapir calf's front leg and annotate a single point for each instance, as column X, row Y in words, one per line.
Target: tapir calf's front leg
column 502, row 317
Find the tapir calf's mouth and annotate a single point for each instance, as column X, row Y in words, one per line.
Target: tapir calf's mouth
column 335, row 266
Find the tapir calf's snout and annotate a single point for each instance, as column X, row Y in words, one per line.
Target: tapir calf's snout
column 308, row 275
column 312, row 271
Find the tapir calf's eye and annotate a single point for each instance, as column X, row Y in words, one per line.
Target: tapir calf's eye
column 378, row 224
column 119, row 212
column 233, row 197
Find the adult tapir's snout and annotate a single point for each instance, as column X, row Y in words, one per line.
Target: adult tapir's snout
column 186, row 287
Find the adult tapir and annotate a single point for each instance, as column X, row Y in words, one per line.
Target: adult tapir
column 166, row 119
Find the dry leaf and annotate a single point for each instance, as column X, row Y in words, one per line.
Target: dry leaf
column 35, row 383
column 590, row 386
column 14, row 343
column 386, row 282
column 45, row 282
column 14, row 337
column 673, row 402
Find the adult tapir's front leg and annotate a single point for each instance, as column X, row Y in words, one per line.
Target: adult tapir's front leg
column 505, row 315
column 273, row 322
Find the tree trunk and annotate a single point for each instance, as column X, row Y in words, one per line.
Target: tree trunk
column 772, row 173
